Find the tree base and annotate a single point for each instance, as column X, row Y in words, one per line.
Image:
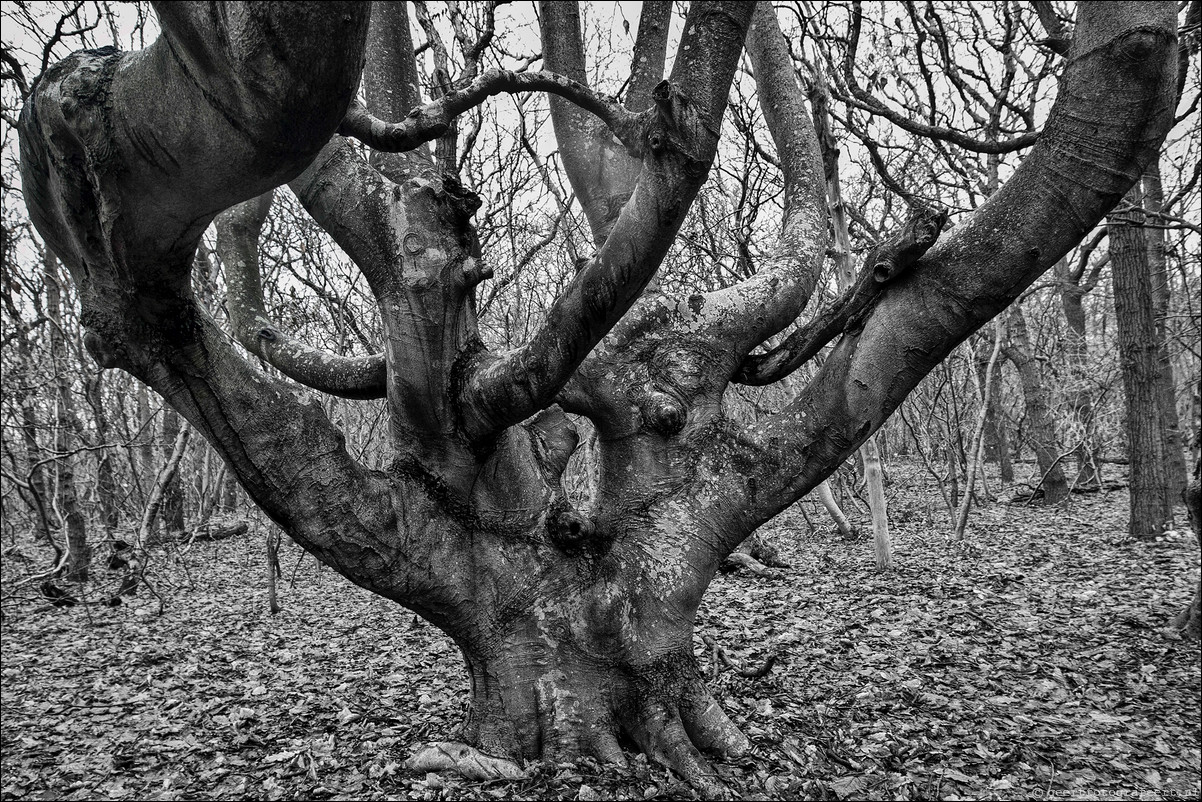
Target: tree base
column 555, row 701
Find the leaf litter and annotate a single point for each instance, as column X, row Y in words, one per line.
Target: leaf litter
column 1028, row 661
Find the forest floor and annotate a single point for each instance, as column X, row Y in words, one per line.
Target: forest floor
column 1030, row 661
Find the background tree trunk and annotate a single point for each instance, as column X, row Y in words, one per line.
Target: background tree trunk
column 106, row 480
column 1176, row 474
column 66, row 497
column 1037, row 399
column 1080, row 386
column 1189, row 621
column 827, row 497
column 974, row 466
column 1135, row 318
column 162, row 480
column 172, row 509
column 997, row 439
column 35, row 496
column 145, row 468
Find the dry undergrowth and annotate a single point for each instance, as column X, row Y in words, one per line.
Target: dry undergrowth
column 1028, row 662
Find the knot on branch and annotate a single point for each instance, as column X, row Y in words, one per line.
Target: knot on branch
column 885, row 263
column 462, row 201
column 1059, row 44
column 553, row 439
column 476, row 271
column 663, row 413
column 86, row 77
column 923, row 226
column 614, row 203
column 1139, row 45
column 104, row 354
column 569, row 529
column 680, row 128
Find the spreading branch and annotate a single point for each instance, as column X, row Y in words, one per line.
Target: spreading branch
column 1117, row 98
column 650, row 51
column 123, row 193
column 783, row 283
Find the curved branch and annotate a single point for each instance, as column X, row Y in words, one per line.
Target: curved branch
column 432, row 120
column 251, row 123
column 238, row 231
column 126, row 159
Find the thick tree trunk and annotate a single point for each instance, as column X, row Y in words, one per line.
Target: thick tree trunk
column 575, row 624
column 605, row 650
column 1151, row 507
column 1037, row 398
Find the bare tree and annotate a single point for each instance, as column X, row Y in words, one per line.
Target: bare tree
column 575, row 622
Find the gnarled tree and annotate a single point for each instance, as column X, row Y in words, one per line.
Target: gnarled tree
column 575, row 623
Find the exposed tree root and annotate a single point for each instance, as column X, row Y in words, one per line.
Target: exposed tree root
column 465, row 760
column 740, row 559
column 661, row 733
column 719, row 657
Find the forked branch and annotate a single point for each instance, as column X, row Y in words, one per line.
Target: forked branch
column 783, row 283
column 884, row 263
column 681, row 141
